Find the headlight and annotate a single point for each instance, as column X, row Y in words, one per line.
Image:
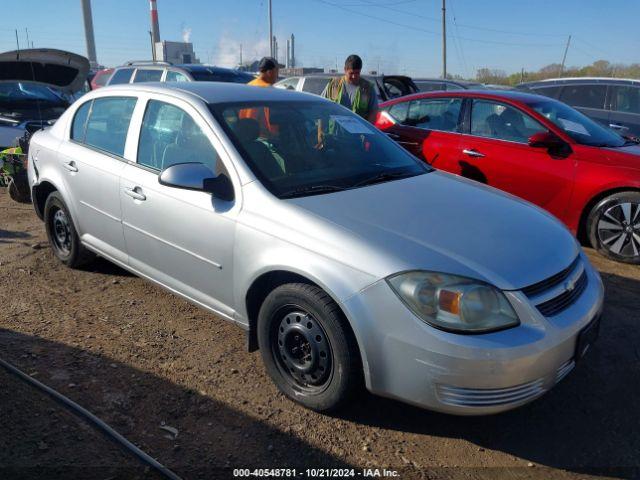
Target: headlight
column 454, row 303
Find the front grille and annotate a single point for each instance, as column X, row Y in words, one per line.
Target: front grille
column 565, row 299
column 549, row 283
column 553, row 295
column 489, row 397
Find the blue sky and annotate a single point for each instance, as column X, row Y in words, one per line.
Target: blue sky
column 396, row 36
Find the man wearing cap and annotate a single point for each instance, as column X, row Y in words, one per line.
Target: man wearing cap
column 268, row 73
column 353, row 91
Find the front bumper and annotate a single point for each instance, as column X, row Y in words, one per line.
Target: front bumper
column 406, row 359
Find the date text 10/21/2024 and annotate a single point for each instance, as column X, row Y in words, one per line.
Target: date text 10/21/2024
column 316, row 472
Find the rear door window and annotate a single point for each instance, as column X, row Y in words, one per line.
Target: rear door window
column 587, row 96
column 108, row 123
column 502, row 122
column 121, row 76
column 627, row 99
column 80, row 122
column 315, row 85
column 435, row 114
column 148, row 75
column 169, row 135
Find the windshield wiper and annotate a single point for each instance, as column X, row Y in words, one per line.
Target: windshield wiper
column 384, row 177
column 311, row 190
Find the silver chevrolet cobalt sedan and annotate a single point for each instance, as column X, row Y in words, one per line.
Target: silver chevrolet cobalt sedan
column 345, row 259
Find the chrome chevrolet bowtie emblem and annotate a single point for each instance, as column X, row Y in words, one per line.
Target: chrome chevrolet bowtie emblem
column 570, row 284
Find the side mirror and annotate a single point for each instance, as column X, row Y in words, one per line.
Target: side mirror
column 197, row 176
column 545, row 140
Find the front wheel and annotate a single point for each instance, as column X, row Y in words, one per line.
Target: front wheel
column 307, row 347
column 614, row 227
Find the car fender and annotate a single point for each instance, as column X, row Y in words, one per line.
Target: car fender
column 274, row 254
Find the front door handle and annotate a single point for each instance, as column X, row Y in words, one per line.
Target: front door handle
column 395, row 136
column 70, row 165
column 472, row 153
column 617, row 126
column 134, row 193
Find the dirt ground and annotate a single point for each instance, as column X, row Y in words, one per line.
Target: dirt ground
column 140, row 358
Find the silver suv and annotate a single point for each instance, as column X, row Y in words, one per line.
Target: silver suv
column 138, row 72
column 345, row 259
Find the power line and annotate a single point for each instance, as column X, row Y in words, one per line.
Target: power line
column 431, row 32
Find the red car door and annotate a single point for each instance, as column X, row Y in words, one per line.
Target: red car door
column 495, row 151
column 426, row 127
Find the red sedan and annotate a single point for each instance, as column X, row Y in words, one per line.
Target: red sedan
column 534, row 147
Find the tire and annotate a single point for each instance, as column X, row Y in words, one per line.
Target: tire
column 308, row 348
column 62, row 233
column 613, row 226
column 17, row 192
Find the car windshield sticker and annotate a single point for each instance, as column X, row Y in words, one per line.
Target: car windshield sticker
column 350, row 124
column 570, row 126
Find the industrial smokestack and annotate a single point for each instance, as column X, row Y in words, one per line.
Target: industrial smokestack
column 155, row 27
column 88, row 32
column 288, row 58
column 293, row 52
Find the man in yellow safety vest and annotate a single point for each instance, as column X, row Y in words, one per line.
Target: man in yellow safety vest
column 353, row 91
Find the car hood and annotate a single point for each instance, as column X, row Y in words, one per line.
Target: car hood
column 65, row 71
column 441, row 222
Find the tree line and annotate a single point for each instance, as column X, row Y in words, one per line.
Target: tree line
column 599, row 68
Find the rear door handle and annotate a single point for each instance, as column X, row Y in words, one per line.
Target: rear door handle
column 395, row 136
column 70, row 165
column 472, row 153
column 617, row 126
column 133, row 193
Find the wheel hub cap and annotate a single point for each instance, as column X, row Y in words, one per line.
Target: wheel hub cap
column 619, row 229
column 303, row 349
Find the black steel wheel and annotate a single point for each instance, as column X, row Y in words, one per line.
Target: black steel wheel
column 308, row 348
column 614, row 227
column 62, row 234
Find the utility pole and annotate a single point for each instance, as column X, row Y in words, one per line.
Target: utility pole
column 564, row 57
column 27, row 32
column 88, row 32
column 240, row 54
column 270, row 32
column 17, row 41
column 522, row 75
column 444, row 39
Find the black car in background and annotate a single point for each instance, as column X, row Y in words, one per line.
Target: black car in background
column 387, row 86
column 137, row 72
column 611, row 101
column 433, row 84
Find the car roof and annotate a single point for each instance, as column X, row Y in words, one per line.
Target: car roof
column 216, row 92
column 512, row 95
column 582, row 80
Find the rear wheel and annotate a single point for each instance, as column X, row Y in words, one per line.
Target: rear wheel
column 614, row 227
column 62, row 234
column 307, row 347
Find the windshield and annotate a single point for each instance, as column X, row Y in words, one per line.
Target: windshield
column 579, row 127
column 24, row 92
column 308, row 148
